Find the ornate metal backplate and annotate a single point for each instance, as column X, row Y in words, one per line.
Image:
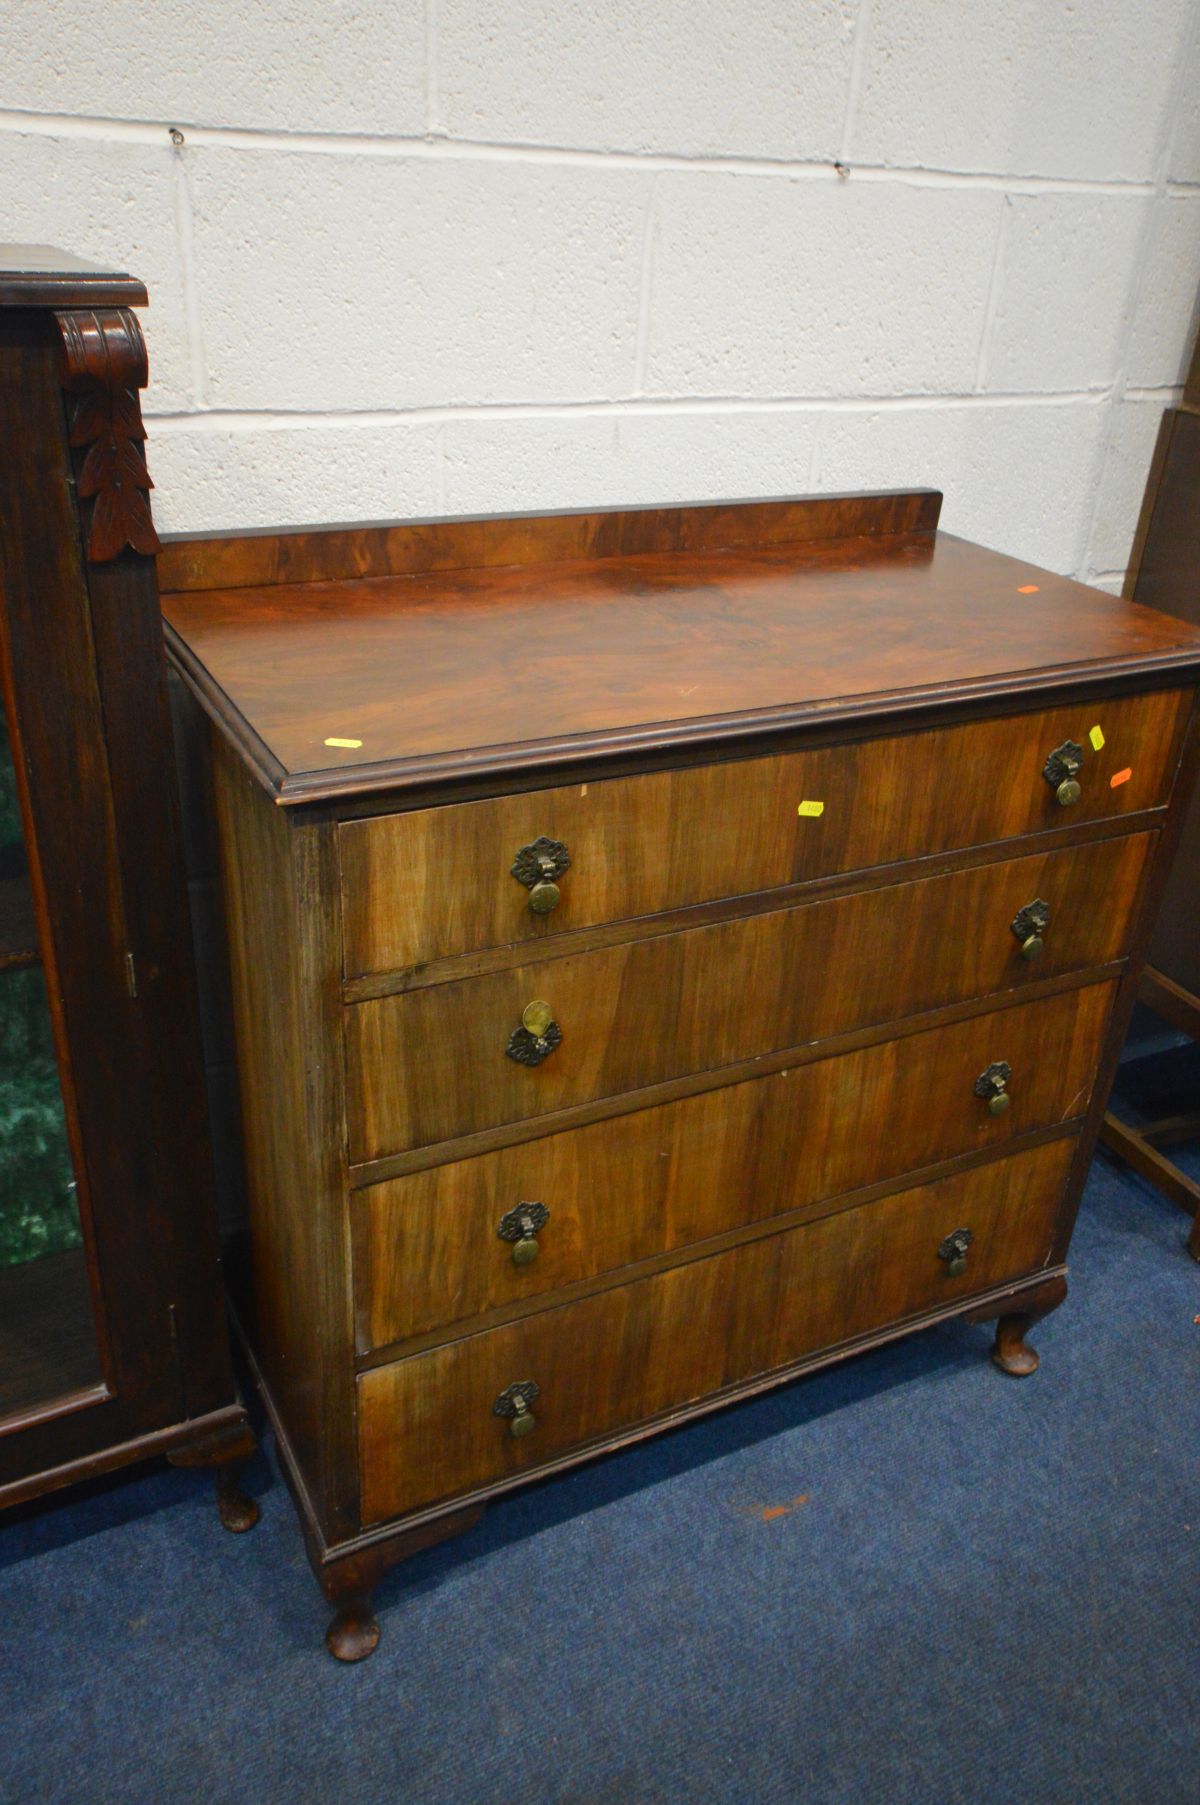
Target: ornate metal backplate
column 1032, row 920
column 525, row 1220
column 540, row 862
column 531, row 1049
column 515, row 1399
column 1063, row 763
column 954, row 1250
column 994, row 1080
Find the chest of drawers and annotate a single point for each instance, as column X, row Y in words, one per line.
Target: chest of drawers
column 667, row 950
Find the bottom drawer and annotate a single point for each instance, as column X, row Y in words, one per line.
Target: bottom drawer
column 623, row 1356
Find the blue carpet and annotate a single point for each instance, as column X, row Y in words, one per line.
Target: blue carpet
column 910, row 1579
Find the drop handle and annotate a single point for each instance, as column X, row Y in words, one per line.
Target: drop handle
column 521, row 1227
column 514, row 1404
column 953, row 1251
column 1061, row 772
column 537, row 1036
column 993, row 1086
column 539, row 866
column 1029, row 924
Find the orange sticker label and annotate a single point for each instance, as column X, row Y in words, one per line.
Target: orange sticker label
column 1028, row 589
column 1120, row 777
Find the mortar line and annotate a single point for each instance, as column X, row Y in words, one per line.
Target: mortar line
column 185, row 229
column 645, row 289
column 385, row 146
column 858, row 55
column 995, row 278
column 432, row 95
column 1168, row 393
column 285, row 420
column 439, row 457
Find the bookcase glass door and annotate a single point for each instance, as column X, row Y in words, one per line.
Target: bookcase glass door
column 48, row 1344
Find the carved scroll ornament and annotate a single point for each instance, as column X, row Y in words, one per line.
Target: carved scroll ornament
column 104, row 366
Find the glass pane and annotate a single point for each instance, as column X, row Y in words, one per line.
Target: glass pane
column 47, row 1340
column 38, row 1211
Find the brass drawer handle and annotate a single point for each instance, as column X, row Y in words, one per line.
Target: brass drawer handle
column 522, row 1226
column 993, row 1084
column 954, row 1251
column 1029, row 924
column 513, row 1403
column 537, row 1036
column 537, row 866
column 1061, row 772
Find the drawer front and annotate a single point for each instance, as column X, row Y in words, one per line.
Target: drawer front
column 624, row 1356
column 430, row 1064
column 438, row 882
column 428, row 1248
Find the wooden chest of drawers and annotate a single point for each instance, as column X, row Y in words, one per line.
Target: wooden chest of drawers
column 668, row 950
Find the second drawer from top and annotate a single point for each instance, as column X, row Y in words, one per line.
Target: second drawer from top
column 453, row 1059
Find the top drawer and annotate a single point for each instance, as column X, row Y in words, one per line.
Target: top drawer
column 436, row 882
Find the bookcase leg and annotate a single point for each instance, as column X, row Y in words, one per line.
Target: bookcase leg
column 229, row 1453
column 237, row 1510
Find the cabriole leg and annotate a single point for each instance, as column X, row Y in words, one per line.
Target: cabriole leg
column 353, row 1632
column 1010, row 1351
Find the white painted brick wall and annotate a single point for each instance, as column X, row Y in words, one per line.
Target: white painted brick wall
column 422, row 256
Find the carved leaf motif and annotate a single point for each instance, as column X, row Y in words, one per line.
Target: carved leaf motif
column 91, row 418
column 106, row 413
column 114, row 471
column 113, row 463
column 104, row 355
column 121, row 517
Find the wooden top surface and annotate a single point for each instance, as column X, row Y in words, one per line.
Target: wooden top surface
column 40, row 275
column 463, row 672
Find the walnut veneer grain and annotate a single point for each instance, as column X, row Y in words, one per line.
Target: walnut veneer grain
column 760, row 1123
column 427, row 1253
column 430, row 1064
column 633, row 1353
column 640, row 845
column 519, row 667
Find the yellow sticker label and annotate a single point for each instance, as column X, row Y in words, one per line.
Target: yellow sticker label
column 811, row 808
column 1097, row 739
column 347, row 745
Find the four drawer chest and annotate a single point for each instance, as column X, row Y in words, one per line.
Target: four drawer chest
column 668, row 949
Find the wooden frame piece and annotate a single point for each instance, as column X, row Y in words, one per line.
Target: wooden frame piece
column 1162, row 574
column 86, row 704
